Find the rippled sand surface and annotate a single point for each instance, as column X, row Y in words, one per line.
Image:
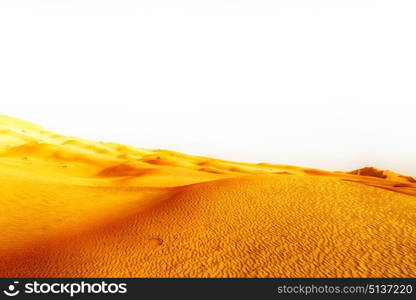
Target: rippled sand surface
column 75, row 208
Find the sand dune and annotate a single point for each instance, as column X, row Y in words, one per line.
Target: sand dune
column 384, row 174
column 72, row 207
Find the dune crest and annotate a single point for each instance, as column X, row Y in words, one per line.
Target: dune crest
column 384, row 174
column 77, row 208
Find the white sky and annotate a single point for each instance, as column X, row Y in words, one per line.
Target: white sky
column 325, row 84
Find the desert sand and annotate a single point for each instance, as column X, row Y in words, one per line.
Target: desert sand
column 75, row 208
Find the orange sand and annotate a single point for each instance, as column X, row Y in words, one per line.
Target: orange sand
column 75, row 208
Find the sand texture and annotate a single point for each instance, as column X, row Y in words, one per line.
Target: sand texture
column 71, row 207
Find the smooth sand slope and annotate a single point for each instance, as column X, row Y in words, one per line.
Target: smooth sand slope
column 72, row 207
